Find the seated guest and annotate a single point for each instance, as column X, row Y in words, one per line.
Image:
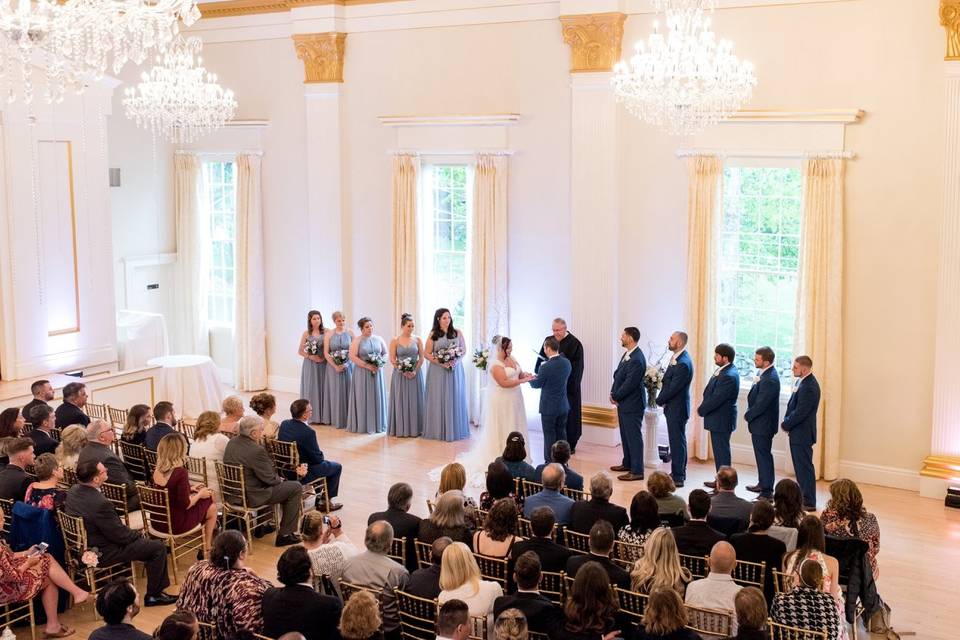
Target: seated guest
column 448, row 519
column 662, row 487
column 601, row 544
column 100, row 437
column 665, row 618
column 27, row 574
column 845, row 517
column 189, row 506
column 117, row 605
column 265, row 406
column 553, row 556
column 299, row 431
column 453, row 477
column 139, row 420
column 751, row 608
column 42, row 392
column 232, row 413
column 316, row 616
column 729, row 513
column 460, row 580
column 515, row 457
column 360, row 619
column 542, row 615
column 223, row 592
column 560, row 453
column 44, row 492
column 644, row 520
column 510, row 625
column 43, row 420
column 263, row 484
column 591, row 610
column 453, row 621
column 166, row 418
column 500, row 485
column 553, row 477
column 328, row 547
column 115, row 541
column 72, row 440
column 179, row 625
column 210, row 444
column 375, row 569
column 497, row 537
column 758, row 546
column 696, row 537
column 405, row 524
column 13, row 477
column 659, row 566
column 71, row 411
column 788, row 503
column 583, row 513
column 717, row 590
column 425, row 583
column 11, row 426
column 812, row 545
column 807, row 605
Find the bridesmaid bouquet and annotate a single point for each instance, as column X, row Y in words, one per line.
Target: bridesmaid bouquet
column 408, row 365
column 340, row 357
column 313, row 348
column 448, row 355
column 377, row 359
column 480, row 358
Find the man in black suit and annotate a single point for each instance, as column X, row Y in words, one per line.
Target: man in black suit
column 542, row 615
column 165, row 418
column 13, row 478
column 43, row 420
column 629, row 395
column 719, row 406
column 453, row 620
column 99, row 448
column 584, row 513
column 763, row 417
column 425, row 583
column 800, row 422
column 116, row 542
column 42, row 392
column 405, row 524
column 674, row 397
column 316, row 616
column 553, row 556
column 696, row 538
column 601, row 544
column 572, row 349
column 729, row 513
column 71, row 411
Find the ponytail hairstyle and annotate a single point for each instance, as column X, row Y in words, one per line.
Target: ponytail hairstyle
column 227, row 549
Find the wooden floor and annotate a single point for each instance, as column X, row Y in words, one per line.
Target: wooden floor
column 920, row 538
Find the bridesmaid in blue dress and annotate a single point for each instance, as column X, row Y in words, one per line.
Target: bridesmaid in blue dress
column 314, row 362
column 336, row 402
column 368, row 398
column 406, row 388
column 446, row 414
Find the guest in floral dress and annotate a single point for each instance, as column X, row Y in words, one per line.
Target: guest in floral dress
column 44, row 493
column 338, row 378
column 367, row 412
column 314, row 369
column 500, row 484
column 845, row 517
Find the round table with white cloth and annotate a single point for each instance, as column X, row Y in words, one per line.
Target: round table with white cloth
column 190, row 382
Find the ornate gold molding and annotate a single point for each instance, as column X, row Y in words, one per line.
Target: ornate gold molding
column 600, row 416
column 322, row 55
column 946, row 467
column 950, row 19
column 231, row 8
column 595, row 40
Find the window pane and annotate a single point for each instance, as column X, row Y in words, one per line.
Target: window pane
column 446, row 263
column 220, row 188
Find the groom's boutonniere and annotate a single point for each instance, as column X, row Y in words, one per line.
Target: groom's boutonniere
column 756, row 379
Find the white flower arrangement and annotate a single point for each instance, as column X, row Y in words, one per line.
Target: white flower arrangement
column 480, row 358
column 448, row 355
column 313, row 348
column 340, row 357
column 408, row 365
column 377, row 359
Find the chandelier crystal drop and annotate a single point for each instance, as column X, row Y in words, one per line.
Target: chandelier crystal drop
column 683, row 6
column 178, row 98
column 683, row 80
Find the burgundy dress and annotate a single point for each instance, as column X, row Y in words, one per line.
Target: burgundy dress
column 183, row 516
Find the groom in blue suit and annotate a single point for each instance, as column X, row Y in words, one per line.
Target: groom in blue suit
column 629, row 396
column 719, row 406
column 552, row 381
column 763, row 417
column 800, row 422
column 674, row 397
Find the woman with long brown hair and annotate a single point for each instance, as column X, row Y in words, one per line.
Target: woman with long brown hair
column 139, row 419
column 314, row 369
column 591, row 611
column 446, row 396
column 845, row 517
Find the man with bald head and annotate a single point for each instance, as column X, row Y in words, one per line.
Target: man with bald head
column 674, row 397
column 99, row 448
column 553, row 478
column 375, row 569
column 717, row 590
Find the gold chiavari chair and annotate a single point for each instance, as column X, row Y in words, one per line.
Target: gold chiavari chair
column 418, row 616
column 576, row 542
column 117, row 417
column 207, row 631
column 429, row 506
column 398, row 550
column 525, row 529
column 424, row 553
column 155, row 504
column 6, row 505
column 95, row 410
column 75, row 544
column 750, row 574
column 68, row 480
column 697, row 565
column 478, row 628
column 494, row 569
column 149, row 462
column 481, row 516
column 779, row 631
column 286, row 458
column 347, row 589
column 628, row 552
column 632, row 603
column 783, row 582
column 188, row 429
column 133, row 459
column 575, row 494
column 116, row 495
column 551, row 586
column 55, row 433
column 31, row 472
column 530, row 488
column 15, row 613
column 233, row 489
column 709, row 623
column 26, row 429
column 197, row 471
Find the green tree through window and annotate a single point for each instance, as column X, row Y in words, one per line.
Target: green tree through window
column 448, row 223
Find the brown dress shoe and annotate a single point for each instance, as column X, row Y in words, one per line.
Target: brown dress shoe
column 619, row 467
column 630, row 477
column 711, row 484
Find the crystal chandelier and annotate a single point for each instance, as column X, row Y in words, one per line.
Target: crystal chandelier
column 685, row 80
column 178, row 98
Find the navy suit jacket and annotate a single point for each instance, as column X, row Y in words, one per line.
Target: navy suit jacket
column 719, row 406
column 155, row 434
column 674, row 394
column 304, row 437
column 552, row 382
column 800, row 420
column 628, row 390
column 763, row 404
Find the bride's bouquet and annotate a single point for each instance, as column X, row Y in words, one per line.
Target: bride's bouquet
column 340, row 357
column 408, row 365
column 377, row 359
column 480, row 358
column 448, row 355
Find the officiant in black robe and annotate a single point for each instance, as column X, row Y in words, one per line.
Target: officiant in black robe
column 572, row 349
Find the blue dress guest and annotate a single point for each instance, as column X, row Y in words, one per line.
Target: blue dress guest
column 368, row 396
column 800, row 422
column 446, row 396
column 674, row 397
column 314, row 362
column 298, row 431
column 763, row 418
column 515, row 456
column 629, row 396
column 406, row 387
column 336, row 399
column 554, row 405
column 719, row 406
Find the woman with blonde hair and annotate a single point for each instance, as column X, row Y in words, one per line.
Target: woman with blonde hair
column 511, row 625
column 360, row 619
column 453, row 477
column 660, row 565
column 665, row 617
column 232, row 412
column 448, row 519
column 460, row 580
column 72, row 439
column 265, row 405
column 339, row 376
column 209, row 443
column 845, row 517
column 139, row 419
column 189, row 506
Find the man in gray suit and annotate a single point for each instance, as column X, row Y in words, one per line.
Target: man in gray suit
column 263, row 484
column 99, row 448
column 373, row 568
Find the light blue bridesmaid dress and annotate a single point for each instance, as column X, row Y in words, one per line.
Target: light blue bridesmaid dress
column 446, row 398
column 406, row 396
column 368, row 398
column 336, row 403
column 312, row 380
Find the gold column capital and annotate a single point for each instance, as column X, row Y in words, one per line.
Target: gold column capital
column 322, row 55
column 950, row 20
column 945, row 467
column 595, row 40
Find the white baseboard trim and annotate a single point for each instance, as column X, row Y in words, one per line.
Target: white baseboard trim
column 742, row 454
column 282, row 383
column 893, row 477
column 600, row 435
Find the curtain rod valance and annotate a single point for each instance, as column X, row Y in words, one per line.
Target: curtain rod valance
column 729, row 153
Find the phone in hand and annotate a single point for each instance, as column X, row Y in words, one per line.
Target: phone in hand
column 326, row 520
column 39, row 550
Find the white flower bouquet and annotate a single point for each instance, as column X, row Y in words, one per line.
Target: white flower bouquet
column 377, row 359
column 448, row 355
column 313, row 348
column 480, row 358
column 90, row 557
column 340, row 357
column 408, row 365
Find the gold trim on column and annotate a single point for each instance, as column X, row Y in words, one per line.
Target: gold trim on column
column 950, row 19
column 595, row 40
column 600, row 416
column 946, row 467
column 322, row 55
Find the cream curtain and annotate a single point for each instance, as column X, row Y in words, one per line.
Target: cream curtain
column 192, row 261
column 820, row 300
column 704, row 174
column 488, row 293
column 250, row 335
column 406, row 291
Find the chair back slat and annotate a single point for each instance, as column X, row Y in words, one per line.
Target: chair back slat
column 530, row 488
column 783, row 582
column 632, row 603
column 424, row 553
column 155, row 504
column 133, row 459
column 207, row 631
column 696, row 565
column 709, row 623
column 26, row 429
column 577, row 542
column 551, row 586
column 6, row 505
column 494, row 569
column 779, row 631
column 188, row 429
column 575, row 494
column 232, row 485
column 418, row 616
column 285, row 456
column 97, row 410
column 750, row 574
column 149, row 461
column 627, row 551
column 398, row 550
column 478, row 628
column 68, row 480
column 197, row 471
column 116, row 495
column 117, row 417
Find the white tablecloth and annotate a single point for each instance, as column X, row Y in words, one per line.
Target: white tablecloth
column 140, row 336
column 190, row 382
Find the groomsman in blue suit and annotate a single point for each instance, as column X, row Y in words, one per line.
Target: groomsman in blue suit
column 298, row 431
column 719, row 406
column 674, row 397
column 800, row 422
column 554, row 406
column 629, row 396
column 763, row 417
